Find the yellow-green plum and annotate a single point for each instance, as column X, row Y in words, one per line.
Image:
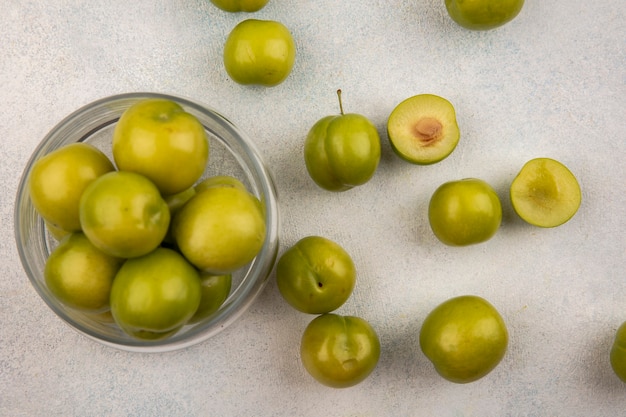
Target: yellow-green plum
column 160, row 140
column 465, row 338
column 214, row 291
column 339, row 351
column 234, row 6
column 618, row 353
column 154, row 295
column 483, row 14
column 57, row 182
column 123, row 214
column 219, row 181
column 342, row 151
column 464, row 212
column 316, row 275
column 259, row 52
column 220, row 229
column 80, row 275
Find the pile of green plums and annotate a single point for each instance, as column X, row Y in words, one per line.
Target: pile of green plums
column 343, row 151
column 544, row 193
column 317, row 276
column 465, row 337
column 263, row 52
column 132, row 229
column 144, row 236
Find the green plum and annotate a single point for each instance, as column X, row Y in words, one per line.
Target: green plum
column 58, row 179
column 158, row 139
column 545, row 193
column 123, row 214
column 315, row 275
column 339, row 351
column 214, row 291
column 154, row 295
column 618, row 353
column 81, row 275
column 342, row 151
column 464, row 212
column 483, row 14
column 234, row 6
column 219, row 181
column 220, row 229
column 465, row 338
column 423, row 129
column 260, row 52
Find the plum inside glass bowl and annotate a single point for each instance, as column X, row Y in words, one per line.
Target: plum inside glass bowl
column 231, row 153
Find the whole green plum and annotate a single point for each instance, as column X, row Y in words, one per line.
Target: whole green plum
column 260, row 52
column 465, row 338
column 234, row 6
column 57, row 181
column 123, row 214
column 215, row 290
column 464, row 212
column 160, row 140
column 342, row 151
column 220, row 229
column 154, row 295
column 339, row 351
column 80, row 275
column 483, row 14
column 315, row 275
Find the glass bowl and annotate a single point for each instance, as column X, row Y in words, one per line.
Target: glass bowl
column 231, row 153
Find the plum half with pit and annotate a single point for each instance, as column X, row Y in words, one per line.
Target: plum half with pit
column 423, row 129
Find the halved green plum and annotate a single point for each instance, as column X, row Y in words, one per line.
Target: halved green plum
column 545, row 193
column 423, row 129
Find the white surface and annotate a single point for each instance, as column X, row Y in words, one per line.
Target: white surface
column 551, row 83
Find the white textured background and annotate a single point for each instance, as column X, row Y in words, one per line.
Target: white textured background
column 551, row 83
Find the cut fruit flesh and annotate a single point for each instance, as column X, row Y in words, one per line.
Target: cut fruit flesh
column 545, row 193
column 423, row 129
